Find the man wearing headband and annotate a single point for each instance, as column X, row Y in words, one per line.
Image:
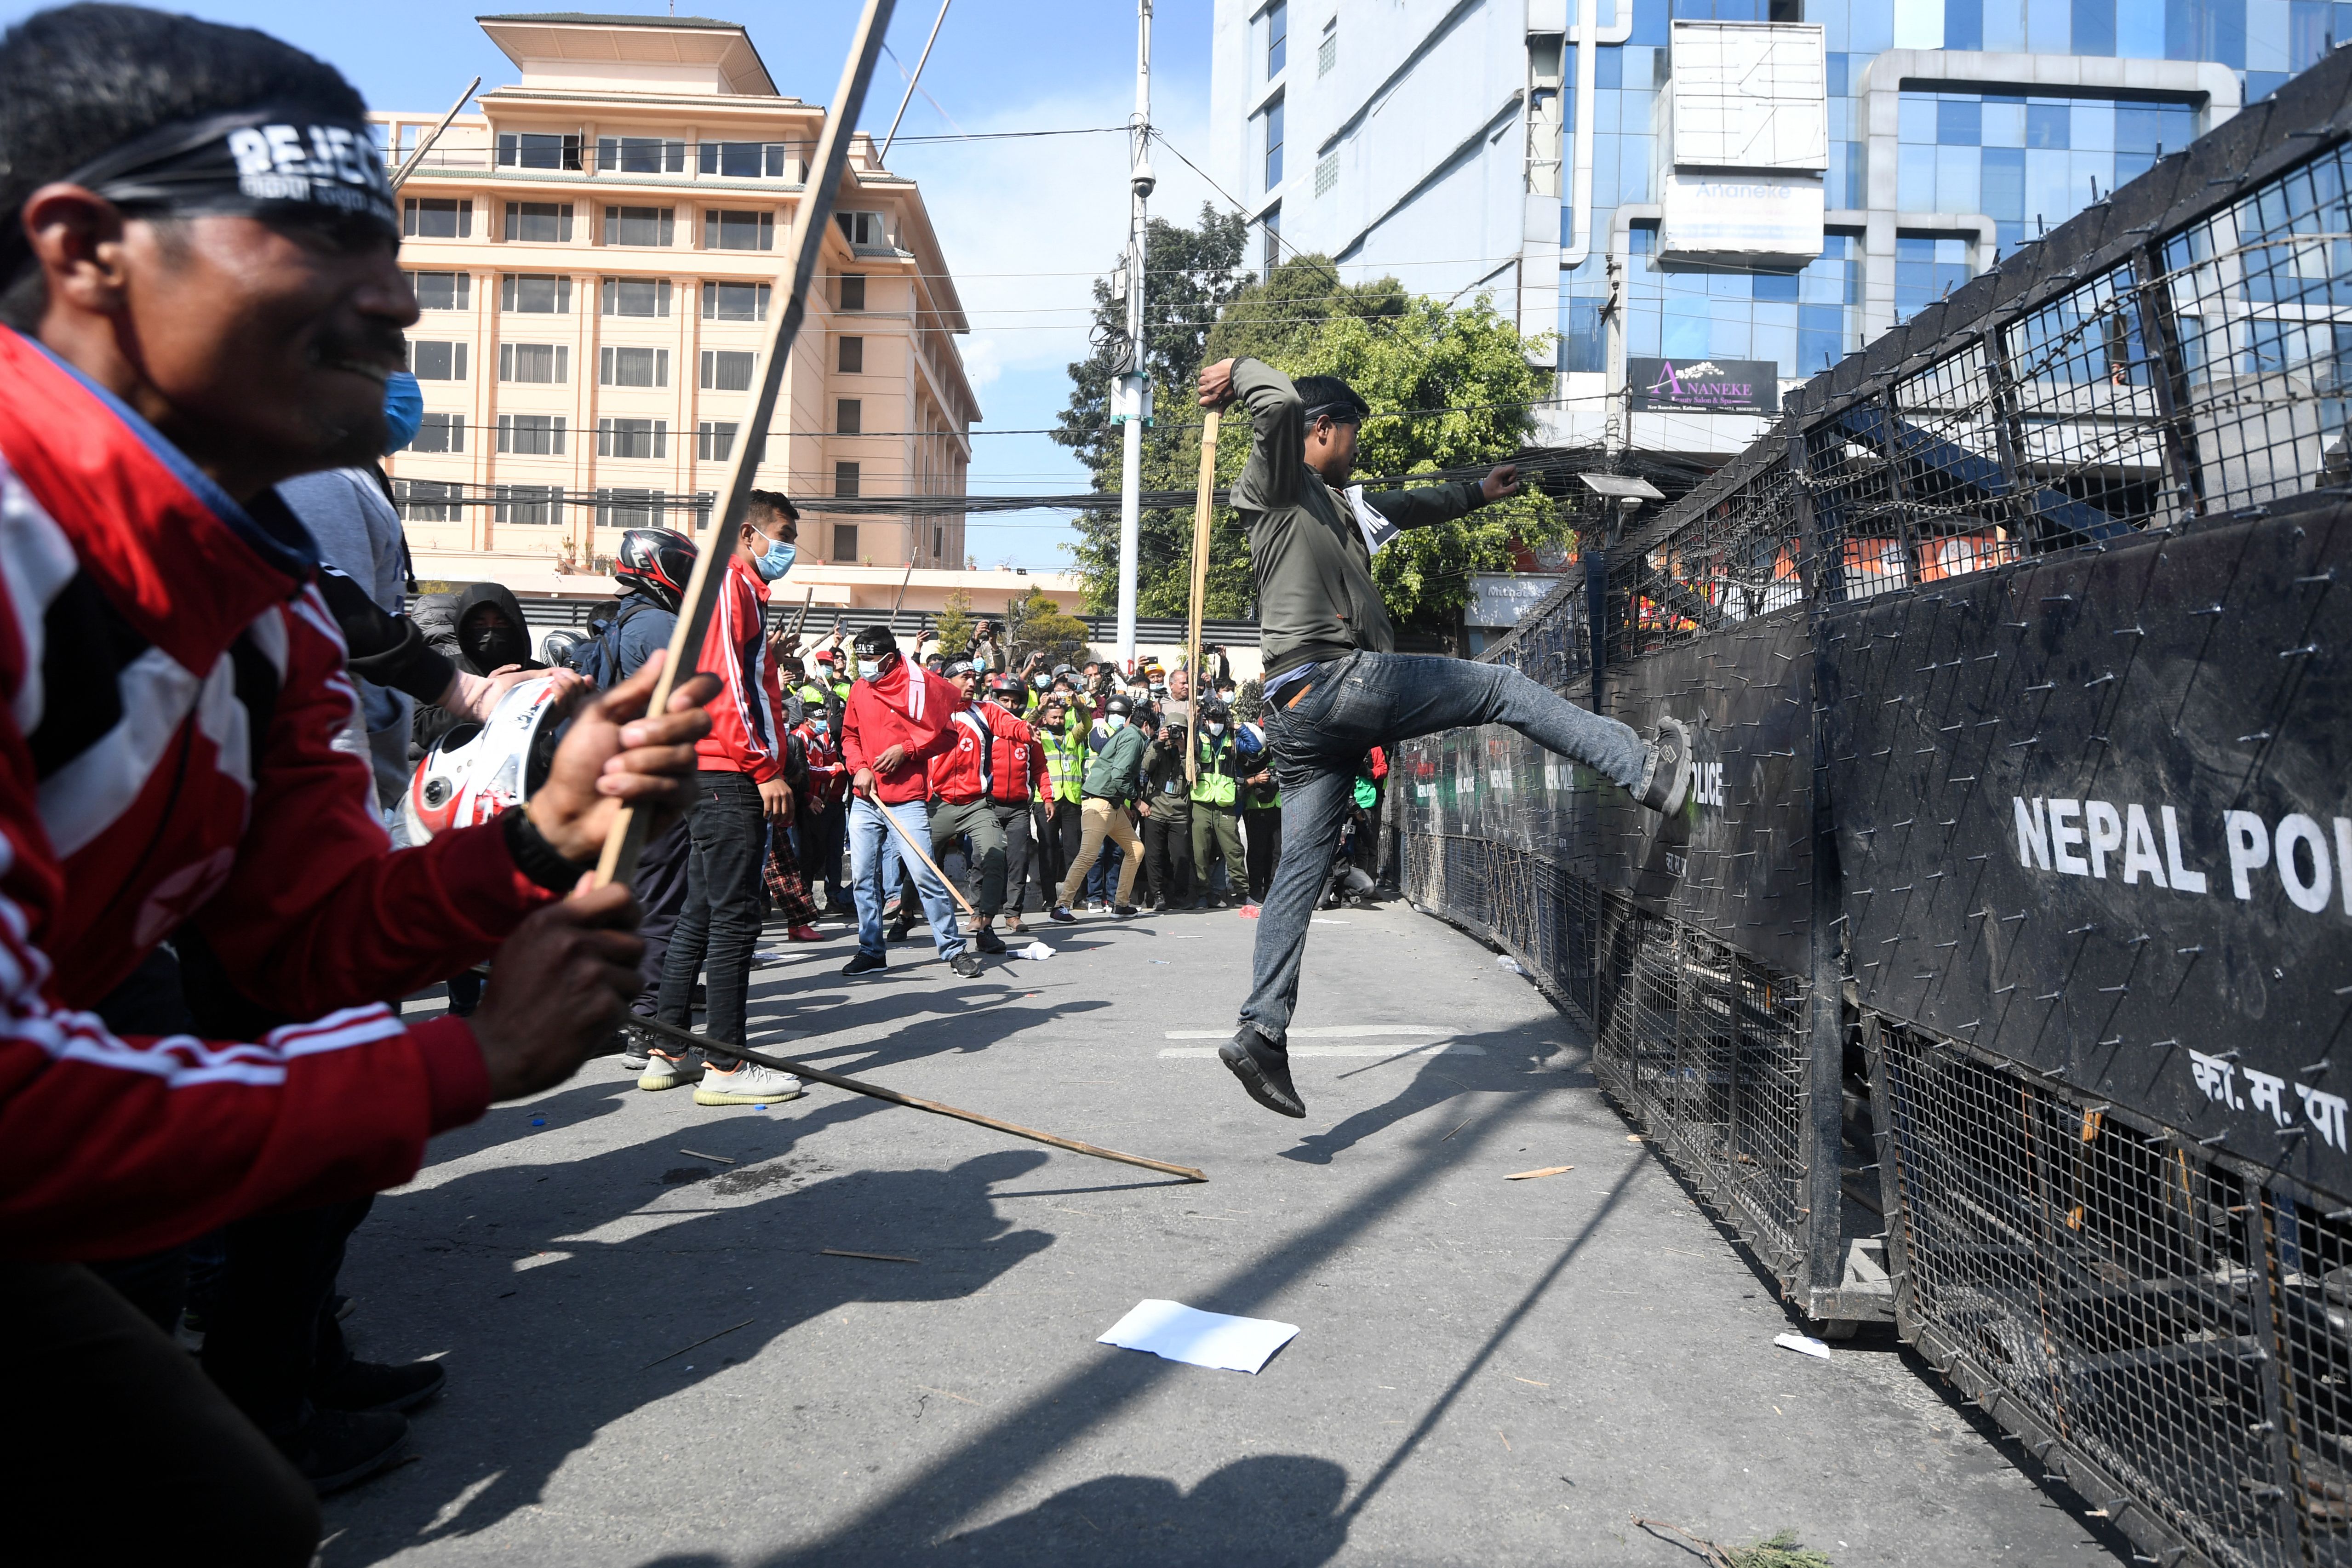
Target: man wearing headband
column 1336, row 687
column 202, row 280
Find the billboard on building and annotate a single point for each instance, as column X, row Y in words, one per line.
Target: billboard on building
column 1704, row 386
column 1743, row 220
column 1750, row 95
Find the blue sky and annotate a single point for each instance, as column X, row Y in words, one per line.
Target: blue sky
column 1026, row 225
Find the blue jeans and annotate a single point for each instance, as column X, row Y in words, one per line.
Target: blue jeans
column 1321, row 725
column 875, row 857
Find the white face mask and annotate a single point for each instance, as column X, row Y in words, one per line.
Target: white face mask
column 868, row 668
column 1215, row 728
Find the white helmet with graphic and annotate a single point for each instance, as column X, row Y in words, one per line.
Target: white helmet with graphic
column 476, row 771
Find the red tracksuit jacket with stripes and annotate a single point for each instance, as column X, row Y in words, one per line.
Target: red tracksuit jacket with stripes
column 747, row 719
column 173, row 686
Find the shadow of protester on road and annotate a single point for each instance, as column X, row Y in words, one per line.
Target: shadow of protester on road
column 543, row 1356
column 1272, row 1511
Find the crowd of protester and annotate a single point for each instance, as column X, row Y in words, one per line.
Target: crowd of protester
column 236, row 763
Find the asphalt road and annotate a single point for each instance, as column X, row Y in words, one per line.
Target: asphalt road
column 652, row 1361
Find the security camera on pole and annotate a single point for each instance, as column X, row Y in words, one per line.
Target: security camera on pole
column 1131, row 402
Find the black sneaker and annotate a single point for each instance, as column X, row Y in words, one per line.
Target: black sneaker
column 365, row 1386
column 898, row 929
column 1061, row 916
column 967, row 965
column 339, row 1448
column 1124, row 912
column 866, row 964
column 1264, row 1068
column 1666, row 783
column 987, row 941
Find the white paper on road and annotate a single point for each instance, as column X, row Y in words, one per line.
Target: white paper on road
column 1804, row 1344
column 1177, row 1332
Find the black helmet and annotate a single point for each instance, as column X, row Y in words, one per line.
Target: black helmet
column 1119, row 706
column 557, row 647
column 657, row 563
column 876, row 641
column 1007, row 685
column 1215, row 708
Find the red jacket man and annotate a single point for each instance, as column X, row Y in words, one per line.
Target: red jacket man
column 899, row 717
column 747, row 721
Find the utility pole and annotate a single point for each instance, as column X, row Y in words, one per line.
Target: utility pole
column 1131, row 397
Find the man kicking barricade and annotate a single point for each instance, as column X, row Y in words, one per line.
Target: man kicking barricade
column 1334, row 686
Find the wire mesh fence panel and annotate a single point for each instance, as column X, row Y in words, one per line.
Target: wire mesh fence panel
column 1857, row 520
column 2312, row 1291
column 2262, row 293
column 2090, row 438
column 1956, row 441
column 2102, row 1278
column 1708, row 566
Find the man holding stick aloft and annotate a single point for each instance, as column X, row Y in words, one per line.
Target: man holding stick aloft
column 899, row 716
column 1335, row 688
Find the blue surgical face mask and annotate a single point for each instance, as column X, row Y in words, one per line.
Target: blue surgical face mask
column 868, row 668
column 1115, row 721
column 777, row 561
column 404, row 411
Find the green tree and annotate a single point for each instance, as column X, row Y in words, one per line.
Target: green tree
column 953, row 626
column 1036, row 624
column 1191, row 276
column 1403, row 353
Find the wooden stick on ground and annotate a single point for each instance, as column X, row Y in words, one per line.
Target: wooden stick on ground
column 682, row 1040
column 908, row 839
column 815, row 223
column 1203, row 508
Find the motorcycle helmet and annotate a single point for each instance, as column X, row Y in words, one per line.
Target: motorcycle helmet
column 476, row 771
column 657, row 563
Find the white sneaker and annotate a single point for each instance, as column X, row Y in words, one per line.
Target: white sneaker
column 748, row 1084
column 666, row 1071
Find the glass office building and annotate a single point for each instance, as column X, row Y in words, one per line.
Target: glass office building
column 1460, row 150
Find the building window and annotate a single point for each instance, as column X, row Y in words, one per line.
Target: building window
column 632, row 509
column 727, row 369
column 844, row 542
column 1326, row 172
column 845, row 481
column 538, row 150
column 547, row 364
column 849, row 416
column 640, row 156
column 443, row 291
column 745, row 160
column 865, row 228
column 1326, row 53
column 938, row 541
column 1272, row 118
column 436, row 362
column 436, row 217
column 853, row 291
column 535, row 293
column 852, row 356
column 428, row 500
column 735, row 301
column 1272, row 224
column 724, row 231
column 636, row 296
column 640, row 226
column 714, row 440
column 531, row 435
column 1278, row 37
column 533, row 504
column 632, row 437
column 440, row 433
column 632, row 367
column 540, row 223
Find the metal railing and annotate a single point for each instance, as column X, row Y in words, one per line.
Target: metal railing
column 2016, row 906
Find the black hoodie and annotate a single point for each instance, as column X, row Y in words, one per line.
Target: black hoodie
column 478, row 647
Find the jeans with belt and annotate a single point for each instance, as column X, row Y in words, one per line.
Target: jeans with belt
column 1321, row 724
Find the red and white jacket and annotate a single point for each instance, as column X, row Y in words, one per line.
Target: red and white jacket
column 173, row 689
column 828, row 781
column 747, row 718
column 1019, row 767
column 908, row 706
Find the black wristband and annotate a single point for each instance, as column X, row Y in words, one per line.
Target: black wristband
column 534, row 857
